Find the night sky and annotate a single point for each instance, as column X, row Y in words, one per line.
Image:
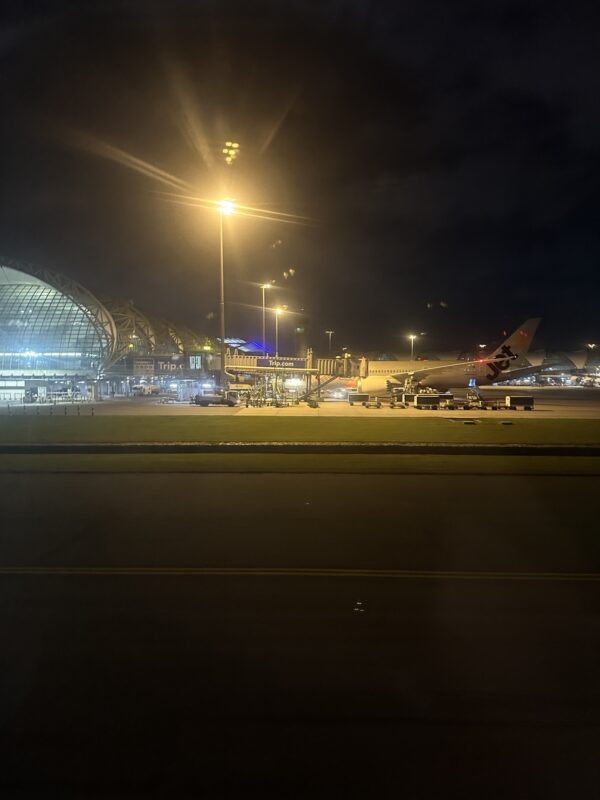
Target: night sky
column 447, row 153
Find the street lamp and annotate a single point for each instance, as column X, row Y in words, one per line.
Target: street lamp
column 412, row 337
column 278, row 313
column 264, row 286
column 330, row 334
column 226, row 208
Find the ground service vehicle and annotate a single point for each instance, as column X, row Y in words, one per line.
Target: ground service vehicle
column 358, row 397
column 227, row 399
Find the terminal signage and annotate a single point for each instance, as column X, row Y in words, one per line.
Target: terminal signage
column 159, row 365
column 280, row 363
column 143, row 366
column 169, row 364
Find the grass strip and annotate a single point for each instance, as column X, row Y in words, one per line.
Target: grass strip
column 215, row 428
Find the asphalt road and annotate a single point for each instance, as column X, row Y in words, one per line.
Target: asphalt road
column 550, row 403
column 272, row 635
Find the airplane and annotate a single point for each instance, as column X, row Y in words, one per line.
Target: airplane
column 507, row 361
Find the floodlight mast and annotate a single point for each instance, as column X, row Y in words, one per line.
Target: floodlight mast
column 330, row 334
column 412, row 337
column 264, row 286
column 226, row 207
column 278, row 312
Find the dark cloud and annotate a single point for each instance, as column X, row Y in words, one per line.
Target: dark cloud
column 447, row 150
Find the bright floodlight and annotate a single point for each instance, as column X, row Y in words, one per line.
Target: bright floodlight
column 267, row 286
column 227, row 207
column 279, row 311
column 412, row 336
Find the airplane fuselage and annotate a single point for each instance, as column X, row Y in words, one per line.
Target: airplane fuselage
column 507, row 361
column 443, row 376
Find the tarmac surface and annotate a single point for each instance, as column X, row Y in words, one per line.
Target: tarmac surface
column 299, row 636
column 554, row 403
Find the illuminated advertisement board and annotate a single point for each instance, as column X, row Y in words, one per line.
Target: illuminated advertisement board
column 282, row 363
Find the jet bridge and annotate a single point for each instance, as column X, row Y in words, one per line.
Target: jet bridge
column 337, row 367
column 330, row 370
column 317, row 373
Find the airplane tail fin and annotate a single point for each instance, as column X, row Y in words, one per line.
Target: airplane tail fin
column 519, row 342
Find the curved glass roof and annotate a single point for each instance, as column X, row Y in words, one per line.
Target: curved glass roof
column 51, row 326
column 44, row 331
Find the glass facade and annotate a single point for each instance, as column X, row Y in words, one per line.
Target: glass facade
column 53, row 331
column 43, row 331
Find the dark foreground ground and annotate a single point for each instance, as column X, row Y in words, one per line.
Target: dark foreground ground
column 477, row 683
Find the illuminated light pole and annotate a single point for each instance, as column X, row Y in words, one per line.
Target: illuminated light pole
column 412, row 337
column 330, row 334
column 226, row 208
column 264, row 311
column 278, row 313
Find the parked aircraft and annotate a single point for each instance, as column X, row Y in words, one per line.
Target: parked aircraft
column 508, row 361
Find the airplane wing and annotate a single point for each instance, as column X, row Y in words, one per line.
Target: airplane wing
column 423, row 373
column 520, row 372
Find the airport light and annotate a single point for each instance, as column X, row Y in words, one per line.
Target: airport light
column 412, row 337
column 264, row 287
column 231, row 151
column 278, row 312
column 226, row 208
column 330, row 334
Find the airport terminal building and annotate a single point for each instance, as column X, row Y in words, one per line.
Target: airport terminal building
column 58, row 341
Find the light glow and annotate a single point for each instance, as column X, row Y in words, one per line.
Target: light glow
column 227, row 207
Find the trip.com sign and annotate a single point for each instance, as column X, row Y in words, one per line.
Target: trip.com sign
column 282, row 363
column 161, row 365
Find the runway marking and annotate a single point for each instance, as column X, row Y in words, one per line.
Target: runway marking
column 305, row 572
